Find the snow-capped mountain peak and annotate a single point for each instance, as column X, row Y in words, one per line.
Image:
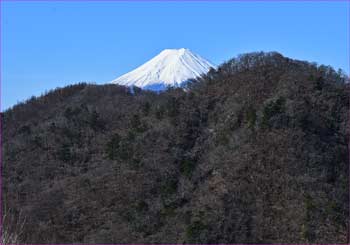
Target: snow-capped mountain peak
column 171, row 67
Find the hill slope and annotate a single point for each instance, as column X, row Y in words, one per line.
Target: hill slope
column 254, row 152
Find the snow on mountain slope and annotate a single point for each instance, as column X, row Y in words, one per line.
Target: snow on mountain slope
column 171, row 67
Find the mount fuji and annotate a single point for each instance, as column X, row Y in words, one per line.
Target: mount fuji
column 171, row 67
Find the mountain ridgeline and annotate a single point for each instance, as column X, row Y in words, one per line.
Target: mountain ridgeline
column 171, row 67
column 255, row 151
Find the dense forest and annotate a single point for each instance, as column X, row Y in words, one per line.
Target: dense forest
column 255, row 151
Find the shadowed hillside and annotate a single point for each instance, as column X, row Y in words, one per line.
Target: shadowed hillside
column 254, row 152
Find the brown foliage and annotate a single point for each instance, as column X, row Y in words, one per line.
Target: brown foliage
column 253, row 152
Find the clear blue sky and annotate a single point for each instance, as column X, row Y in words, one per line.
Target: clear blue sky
column 49, row 44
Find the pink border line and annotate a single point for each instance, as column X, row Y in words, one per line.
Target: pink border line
column 1, row 198
column 348, row 37
column 286, row 1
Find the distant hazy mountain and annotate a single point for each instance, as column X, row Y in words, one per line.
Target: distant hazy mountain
column 171, row 67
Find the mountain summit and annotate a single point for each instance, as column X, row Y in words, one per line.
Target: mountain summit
column 171, row 67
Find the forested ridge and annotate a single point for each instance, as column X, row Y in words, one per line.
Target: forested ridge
column 255, row 151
